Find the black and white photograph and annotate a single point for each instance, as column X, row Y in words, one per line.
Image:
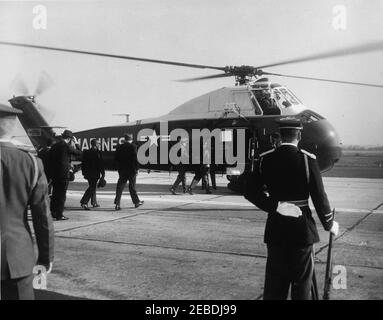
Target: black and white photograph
column 191, row 155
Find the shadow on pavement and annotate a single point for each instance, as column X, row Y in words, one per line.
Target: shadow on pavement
column 143, row 187
column 50, row 295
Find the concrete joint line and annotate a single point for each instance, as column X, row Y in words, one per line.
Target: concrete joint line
column 351, row 228
column 164, row 247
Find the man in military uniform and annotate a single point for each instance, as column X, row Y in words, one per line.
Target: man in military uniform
column 22, row 184
column 281, row 186
column 59, row 159
column 127, row 166
column 275, row 139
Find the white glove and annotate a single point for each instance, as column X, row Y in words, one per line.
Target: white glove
column 335, row 228
column 289, row 209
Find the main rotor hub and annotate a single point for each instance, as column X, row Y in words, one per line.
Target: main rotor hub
column 243, row 74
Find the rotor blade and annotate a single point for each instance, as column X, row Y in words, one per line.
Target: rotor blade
column 221, row 75
column 325, row 80
column 370, row 47
column 52, row 127
column 15, row 44
column 44, row 83
column 18, row 85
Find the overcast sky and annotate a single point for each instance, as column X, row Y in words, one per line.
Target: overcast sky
column 88, row 90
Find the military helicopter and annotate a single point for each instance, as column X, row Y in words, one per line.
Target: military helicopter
column 240, row 118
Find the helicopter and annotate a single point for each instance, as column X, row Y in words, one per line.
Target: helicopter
column 240, row 120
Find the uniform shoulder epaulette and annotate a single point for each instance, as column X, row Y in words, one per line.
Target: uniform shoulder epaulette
column 266, row 152
column 311, row 155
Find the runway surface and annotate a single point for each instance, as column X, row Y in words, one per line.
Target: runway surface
column 202, row 246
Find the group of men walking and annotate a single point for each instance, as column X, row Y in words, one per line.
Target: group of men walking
column 57, row 157
column 201, row 173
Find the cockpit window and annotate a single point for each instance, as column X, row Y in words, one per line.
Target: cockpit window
column 285, row 97
column 266, row 102
column 289, row 96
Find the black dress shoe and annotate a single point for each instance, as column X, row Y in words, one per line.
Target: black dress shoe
column 85, row 206
column 117, row 207
column 173, row 191
column 139, row 203
column 95, row 205
column 190, row 191
column 62, row 218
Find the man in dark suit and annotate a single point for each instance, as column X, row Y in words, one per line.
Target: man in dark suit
column 127, row 166
column 59, row 158
column 22, row 184
column 92, row 169
column 202, row 172
column 281, row 186
column 181, row 168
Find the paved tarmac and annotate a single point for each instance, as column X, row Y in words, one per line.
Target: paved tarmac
column 202, row 246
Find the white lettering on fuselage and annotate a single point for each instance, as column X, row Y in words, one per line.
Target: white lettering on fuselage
column 106, row 144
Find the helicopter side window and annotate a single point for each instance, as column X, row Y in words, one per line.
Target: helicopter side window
column 257, row 108
column 242, row 99
column 266, row 102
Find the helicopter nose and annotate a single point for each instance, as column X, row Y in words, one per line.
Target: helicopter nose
column 320, row 137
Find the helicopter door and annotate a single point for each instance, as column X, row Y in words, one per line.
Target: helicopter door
column 252, row 147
